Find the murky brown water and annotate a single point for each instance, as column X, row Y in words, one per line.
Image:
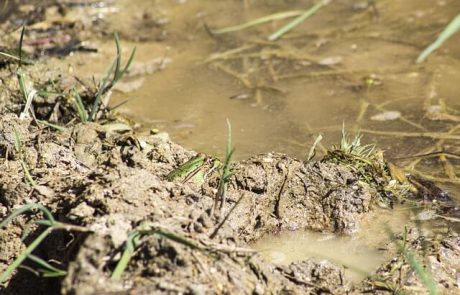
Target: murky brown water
column 360, row 254
column 279, row 95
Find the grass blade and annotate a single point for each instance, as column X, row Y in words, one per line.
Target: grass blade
column 12, row 267
column 259, row 21
column 57, row 127
column 297, row 21
column 216, row 230
column 105, row 85
column 21, row 39
column 28, row 207
column 30, row 98
column 178, row 239
column 47, row 269
column 133, row 240
column 451, row 29
column 130, row 245
column 80, row 107
column 312, row 152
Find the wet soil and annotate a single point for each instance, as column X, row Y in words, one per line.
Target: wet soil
column 107, row 179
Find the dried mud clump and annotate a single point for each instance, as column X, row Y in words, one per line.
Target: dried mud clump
column 286, row 194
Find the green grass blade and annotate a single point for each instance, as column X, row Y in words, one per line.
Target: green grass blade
column 47, row 269
column 80, row 107
column 259, row 21
column 451, row 29
column 130, row 246
column 27, row 174
column 28, row 207
column 125, row 69
column 298, row 20
column 54, row 126
column 101, row 88
column 108, row 83
column 118, row 58
column 12, row 267
column 22, row 84
column 424, row 276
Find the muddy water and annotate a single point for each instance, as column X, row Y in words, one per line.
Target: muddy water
column 360, row 254
column 191, row 99
column 347, row 64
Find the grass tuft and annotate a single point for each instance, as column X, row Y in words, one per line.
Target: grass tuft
column 45, row 269
column 354, row 147
column 114, row 74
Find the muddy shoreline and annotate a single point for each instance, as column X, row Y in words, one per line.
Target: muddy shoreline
column 104, row 180
column 112, row 182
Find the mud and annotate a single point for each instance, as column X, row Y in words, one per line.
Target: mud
column 111, row 181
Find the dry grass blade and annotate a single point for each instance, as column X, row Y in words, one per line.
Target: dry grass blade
column 312, row 152
column 29, row 99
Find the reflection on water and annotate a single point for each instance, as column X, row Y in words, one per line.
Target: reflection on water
column 360, row 254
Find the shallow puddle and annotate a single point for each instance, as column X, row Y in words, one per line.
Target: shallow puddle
column 360, row 254
column 279, row 95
